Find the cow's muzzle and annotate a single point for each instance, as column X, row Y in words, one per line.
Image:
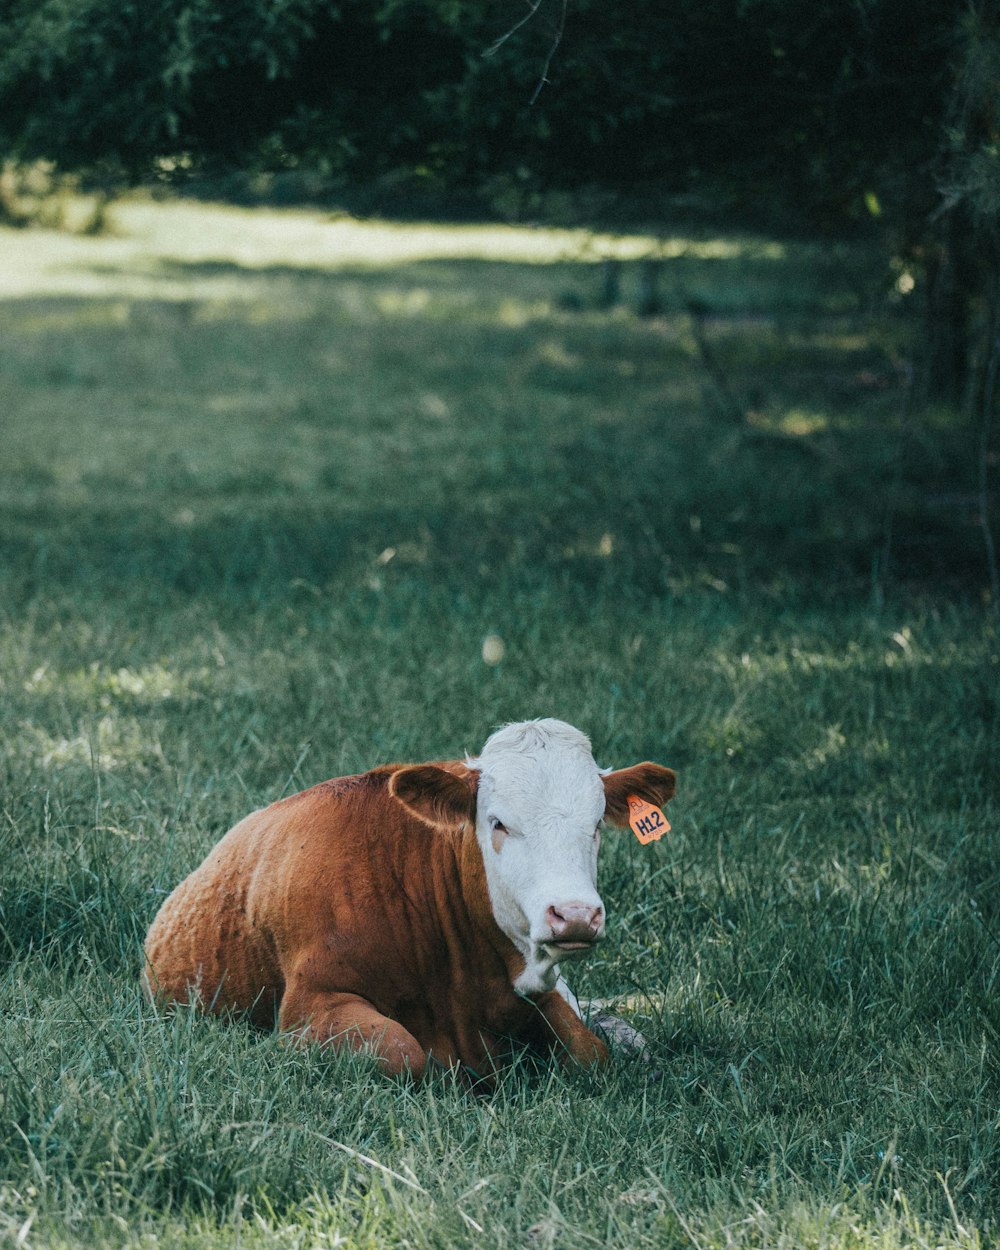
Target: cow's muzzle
column 574, row 926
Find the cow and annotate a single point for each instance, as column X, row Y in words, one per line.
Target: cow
column 421, row 912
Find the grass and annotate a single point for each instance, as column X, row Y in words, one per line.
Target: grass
column 261, row 501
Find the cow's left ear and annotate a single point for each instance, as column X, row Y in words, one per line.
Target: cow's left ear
column 435, row 795
column 651, row 782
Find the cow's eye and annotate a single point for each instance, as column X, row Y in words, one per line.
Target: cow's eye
column 498, row 833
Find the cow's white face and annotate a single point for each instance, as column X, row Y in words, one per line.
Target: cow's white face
column 539, row 805
column 537, row 799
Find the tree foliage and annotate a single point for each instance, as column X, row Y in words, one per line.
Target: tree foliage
column 820, row 103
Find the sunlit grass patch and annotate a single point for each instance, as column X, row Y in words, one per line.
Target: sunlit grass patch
column 796, row 423
column 148, row 235
column 111, row 742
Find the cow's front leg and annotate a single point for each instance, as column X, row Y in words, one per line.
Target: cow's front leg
column 618, row 1034
column 568, row 1034
column 347, row 1020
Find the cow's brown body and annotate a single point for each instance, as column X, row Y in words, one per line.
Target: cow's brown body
column 339, row 915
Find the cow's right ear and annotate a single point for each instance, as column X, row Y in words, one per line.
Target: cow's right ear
column 434, row 795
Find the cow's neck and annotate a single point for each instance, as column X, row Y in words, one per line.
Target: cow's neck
column 476, row 894
column 539, row 974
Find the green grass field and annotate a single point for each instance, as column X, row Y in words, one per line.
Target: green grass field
column 267, row 482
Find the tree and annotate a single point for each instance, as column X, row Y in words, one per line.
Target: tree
column 809, row 101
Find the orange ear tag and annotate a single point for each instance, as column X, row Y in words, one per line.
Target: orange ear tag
column 648, row 822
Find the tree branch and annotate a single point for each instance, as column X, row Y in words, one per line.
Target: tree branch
column 533, row 7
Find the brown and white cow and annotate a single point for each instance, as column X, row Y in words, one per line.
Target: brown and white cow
column 419, row 911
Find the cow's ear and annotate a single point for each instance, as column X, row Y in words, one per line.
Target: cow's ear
column 435, row 795
column 651, row 782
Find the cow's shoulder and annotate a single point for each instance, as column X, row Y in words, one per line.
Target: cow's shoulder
column 355, row 786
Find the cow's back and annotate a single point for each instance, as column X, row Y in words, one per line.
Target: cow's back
column 226, row 933
column 204, row 941
column 347, row 915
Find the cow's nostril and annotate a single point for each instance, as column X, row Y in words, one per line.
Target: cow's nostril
column 595, row 918
column 555, row 917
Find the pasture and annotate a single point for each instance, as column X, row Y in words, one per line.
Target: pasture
column 268, row 484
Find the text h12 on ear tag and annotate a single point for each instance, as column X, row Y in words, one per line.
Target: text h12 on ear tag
column 648, row 823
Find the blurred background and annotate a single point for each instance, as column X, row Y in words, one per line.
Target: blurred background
column 851, row 147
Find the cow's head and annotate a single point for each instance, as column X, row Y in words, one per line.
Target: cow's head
column 537, row 808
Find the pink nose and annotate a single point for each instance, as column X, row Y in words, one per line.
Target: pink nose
column 574, row 922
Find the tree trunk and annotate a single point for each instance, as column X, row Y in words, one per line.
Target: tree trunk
column 960, row 271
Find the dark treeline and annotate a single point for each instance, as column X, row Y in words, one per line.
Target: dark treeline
column 822, row 102
column 825, row 113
